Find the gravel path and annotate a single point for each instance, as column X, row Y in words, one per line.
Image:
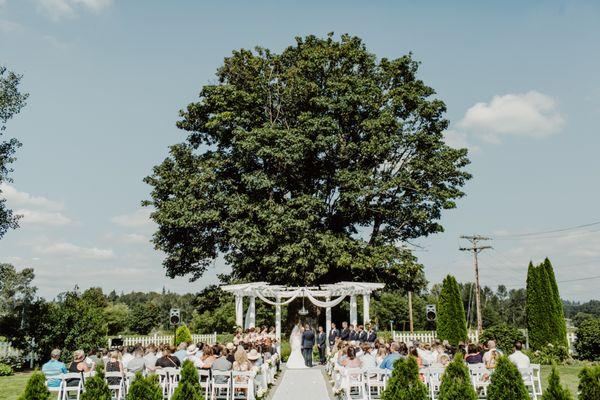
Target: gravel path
column 302, row 384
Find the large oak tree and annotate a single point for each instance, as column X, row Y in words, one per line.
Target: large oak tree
column 307, row 166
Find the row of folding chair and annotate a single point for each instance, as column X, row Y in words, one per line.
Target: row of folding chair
column 362, row 383
column 70, row 385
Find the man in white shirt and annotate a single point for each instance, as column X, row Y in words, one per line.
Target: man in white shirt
column 519, row 358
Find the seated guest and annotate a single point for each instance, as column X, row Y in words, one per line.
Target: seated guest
column 53, row 368
column 351, row 361
column 519, row 358
column 221, row 364
column 138, row 363
column 127, row 355
column 255, row 358
column 388, row 361
column 230, row 349
column 114, row 365
column 382, row 353
column 192, row 355
column 367, row 359
column 168, row 360
column 413, row 352
column 241, row 363
column 473, row 355
column 181, row 352
column 208, row 357
column 93, row 360
column 150, row 358
column 490, row 357
column 78, row 365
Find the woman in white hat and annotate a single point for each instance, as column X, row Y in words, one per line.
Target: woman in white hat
column 192, row 355
column 255, row 358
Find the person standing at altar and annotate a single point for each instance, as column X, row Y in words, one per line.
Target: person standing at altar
column 345, row 334
column 333, row 334
column 322, row 345
column 353, row 336
column 371, row 335
column 308, row 342
column 362, row 334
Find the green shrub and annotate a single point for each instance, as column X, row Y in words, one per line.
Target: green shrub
column 451, row 321
column 589, row 383
column 96, row 388
column 504, row 335
column 405, row 383
column 189, row 386
column 555, row 390
column 36, row 388
column 15, row 361
column 145, row 388
column 549, row 354
column 456, row 381
column 506, row 382
column 183, row 334
column 6, row 370
column 587, row 344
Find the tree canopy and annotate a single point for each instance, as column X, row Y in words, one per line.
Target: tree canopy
column 307, row 166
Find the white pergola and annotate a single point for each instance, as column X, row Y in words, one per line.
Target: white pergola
column 278, row 295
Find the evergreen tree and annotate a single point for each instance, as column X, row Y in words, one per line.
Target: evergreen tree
column 189, row 386
column 36, row 388
column 145, row 388
column 507, row 383
column 96, row 388
column 535, row 320
column 589, row 383
column 557, row 324
column 555, row 390
column 183, row 334
column 451, row 321
column 456, row 381
column 405, row 383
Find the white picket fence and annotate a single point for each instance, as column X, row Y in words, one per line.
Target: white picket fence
column 427, row 337
column 6, row 350
column 159, row 339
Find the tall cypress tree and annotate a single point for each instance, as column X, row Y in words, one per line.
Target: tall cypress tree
column 145, row 388
column 557, row 324
column 405, row 383
column 189, row 386
column 555, row 390
column 456, row 381
column 451, row 321
column 533, row 311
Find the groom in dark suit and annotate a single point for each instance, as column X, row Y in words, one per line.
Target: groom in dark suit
column 308, row 342
column 322, row 345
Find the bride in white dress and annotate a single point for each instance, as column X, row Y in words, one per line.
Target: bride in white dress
column 296, row 361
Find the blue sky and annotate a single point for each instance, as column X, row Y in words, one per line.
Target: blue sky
column 107, row 78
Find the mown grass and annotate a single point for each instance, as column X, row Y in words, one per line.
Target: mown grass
column 12, row 386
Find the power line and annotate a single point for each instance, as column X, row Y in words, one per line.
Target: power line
column 476, row 248
column 520, row 235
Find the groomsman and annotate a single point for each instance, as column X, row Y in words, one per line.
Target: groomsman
column 362, row 334
column 345, row 335
column 333, row 334
column 353, row 334
column 371, row 335
column 322, row 345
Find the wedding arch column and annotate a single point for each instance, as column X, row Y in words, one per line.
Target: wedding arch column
column 353, row 310
column 239, row 311
column 278, row 324
column 251, row 313
column 366, row 309
column 327, row 321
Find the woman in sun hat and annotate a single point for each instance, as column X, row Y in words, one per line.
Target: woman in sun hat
column 192, row 355
column 255, row 358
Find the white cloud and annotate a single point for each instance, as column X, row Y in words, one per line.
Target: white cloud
column 530, row 114
column 18, row 198
column 58, row 9
column 459, row 140
column 43, row 218
column 138, row 219
column 7, row 26
column 70, row 250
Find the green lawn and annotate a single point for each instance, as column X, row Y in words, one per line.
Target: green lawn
column 11, row 386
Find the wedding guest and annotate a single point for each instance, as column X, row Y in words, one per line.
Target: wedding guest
column 473, row 355
column 371, row 335
column 138, row 363
column 222, row 364
column 414, row 353
column 127, row 355
column 54, row 367
column 150, row 357
column 241, row 363
column 518, row 358
column 367, row 359
column 255, row 358
column 208, row 357
column 93, row 360
column 351, row 361
column 168, row 360
column 181, row 352
column 382, row 353
column 388, row 361
column 114, row 365
column 490, row 357
column 230, row 349
column 192, row 355
column 353, row 334
column 321, row 345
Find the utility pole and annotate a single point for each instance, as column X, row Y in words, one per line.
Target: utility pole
column 476, row 248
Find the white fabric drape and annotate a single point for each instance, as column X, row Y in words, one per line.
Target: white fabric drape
column 324, row 304
column 283, row 303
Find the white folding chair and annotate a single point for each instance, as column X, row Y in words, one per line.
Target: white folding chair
column 220, row 385
column 204, row 378
column 243, row 382
column 353, row 384
column 75, row 385
column 174, row 375
column 56, row 389
column 116, row 383
column 537, row 379
column 129, row 376
column 163, row 380
column 480, row 378
column 375, row 382
column 434, row 380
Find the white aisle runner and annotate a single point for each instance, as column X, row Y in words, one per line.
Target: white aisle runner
column 302, row 384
